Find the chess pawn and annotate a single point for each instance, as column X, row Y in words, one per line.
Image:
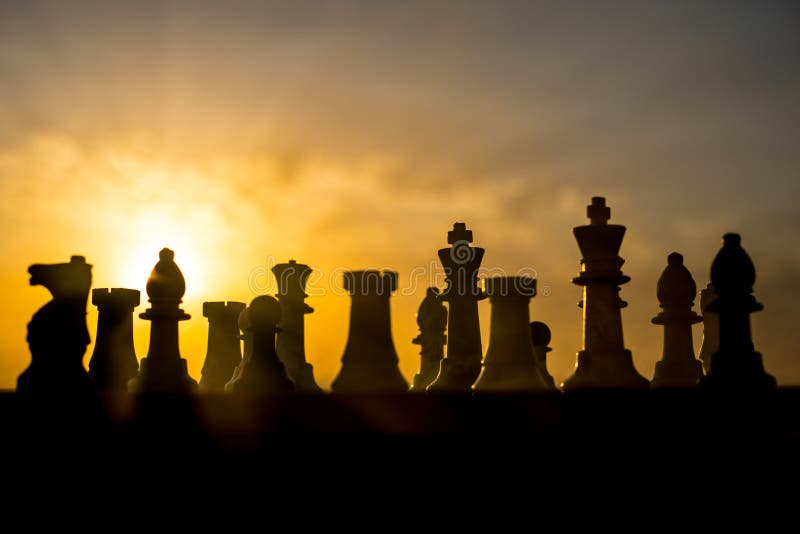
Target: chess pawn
column 603, row 362
column 114, row 361
column 676, row 290
column 163, row 369
column 736, row 365
column 432, row 322
column 292, row 278
column 369, row 363
column 510, row 364
column 261, row 372
column 710, row 327
column 540, row 338
column 461, row 366
column 57, row 333
column 224, row 352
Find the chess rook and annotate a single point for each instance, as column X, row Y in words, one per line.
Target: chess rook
column 246, row 336
column 432, row 322
column 676, row 289
column 540, row 338
column 114, row 363
column 462, row 364
column 710, row 343
column 736, row 366
column 57, row 333
column 603, row 361
column 369, row 362
column 292, row 278
column 163, row 369
column 510, row 363
column 261, row 372
column 224, row 345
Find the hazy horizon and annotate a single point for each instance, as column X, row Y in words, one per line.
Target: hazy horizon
column 350, row 135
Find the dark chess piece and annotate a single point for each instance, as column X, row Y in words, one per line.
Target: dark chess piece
column 224, row 352
column 163, row 369
column 57, row 333
column 540, row 338
column 678, row 367
column 462, row 365
column 114, row 363
column 246, row 337
column 432, row 322
column 736, row 366
column 261, row 372
column 292, row 278
column 710, row 327
column 369, row 363
column 510, row 363
column 603, row 361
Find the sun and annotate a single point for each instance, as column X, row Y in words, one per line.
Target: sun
column 141, row 255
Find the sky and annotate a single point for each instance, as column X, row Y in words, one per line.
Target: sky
column 351, row 135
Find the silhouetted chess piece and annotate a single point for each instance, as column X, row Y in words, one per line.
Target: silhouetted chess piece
column 113, row 363
column 163, row 369
column 510, row 364
column 292, row 278
column 540, row 338
column 736, row 365
column 603, row 361
column 224, row 352
column 262, row 372
column 710, row 343
column 246, row 337
column 678, row 367
column 369, row 362
column 432, row 322
column 461, row 366
column 57, row 333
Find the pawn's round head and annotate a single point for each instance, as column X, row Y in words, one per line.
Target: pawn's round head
column 540, row 333
column 265, row 312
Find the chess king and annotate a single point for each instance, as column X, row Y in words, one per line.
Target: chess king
column 163, row 369
column 57, row 333
column 603, row 362
column 462, row 364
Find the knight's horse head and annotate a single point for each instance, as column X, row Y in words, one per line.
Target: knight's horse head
column 63, row 280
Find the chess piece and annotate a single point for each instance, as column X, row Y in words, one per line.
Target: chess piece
column 510, row 364
column 224, row 352
column 603, row 361
column 369, row 363
column 432, row 322
column 163, row 369
column 57, row 333
column 540, row 338
column 676, row 290
column 710, row 327
column 292, row 278
column 114, row 361
column 261, row 372
column 462, row 364
column 246, row 336
column 736, row 366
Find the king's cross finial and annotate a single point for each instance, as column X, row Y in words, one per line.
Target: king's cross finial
column 598, row 212
column 459, row 233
